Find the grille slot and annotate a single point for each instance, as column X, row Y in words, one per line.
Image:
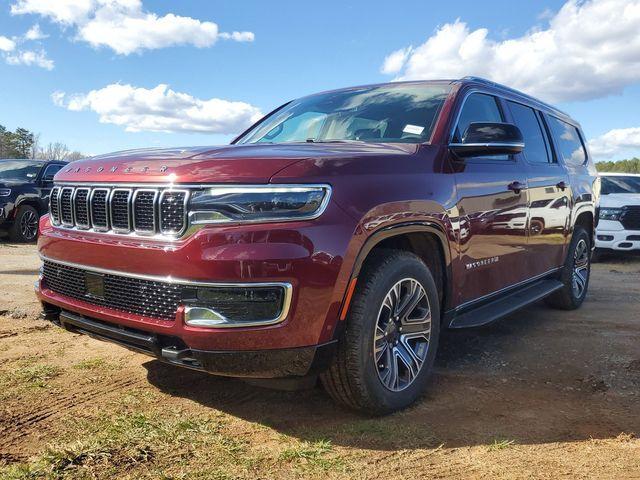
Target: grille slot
column 99, row 218
column 81, row 206
column 132, row 295
column 144, row 211
column 66, row 207
column 120, row 210
column 630, row 217
column 172, row 211
column 161, row 212
column 54, row 205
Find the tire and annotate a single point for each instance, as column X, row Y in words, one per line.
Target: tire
column 355, row 379
column 23, row 229
column 578, row 263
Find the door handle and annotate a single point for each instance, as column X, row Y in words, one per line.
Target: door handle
column 516, row 187
column 562, row 186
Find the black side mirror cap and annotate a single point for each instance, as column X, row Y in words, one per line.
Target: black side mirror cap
column 487, row 139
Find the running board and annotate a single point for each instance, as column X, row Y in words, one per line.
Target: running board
column 505, row 305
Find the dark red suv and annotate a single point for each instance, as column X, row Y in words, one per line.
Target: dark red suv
column 335, row 237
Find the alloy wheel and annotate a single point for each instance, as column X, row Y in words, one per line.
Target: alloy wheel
column 580, row 268
column 402, row 334
column 29, row 225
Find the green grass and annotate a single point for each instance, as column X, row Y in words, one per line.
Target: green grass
column 501, row 444
column 313, row 455
column 93, row 364
column 34, row 376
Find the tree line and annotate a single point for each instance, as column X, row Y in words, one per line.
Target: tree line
column 631, row 165
column 23, row 143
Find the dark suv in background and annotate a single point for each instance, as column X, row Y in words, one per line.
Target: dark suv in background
column 24, row 195
column 335, row 237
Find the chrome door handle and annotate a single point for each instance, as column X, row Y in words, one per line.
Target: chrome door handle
column 516, row 187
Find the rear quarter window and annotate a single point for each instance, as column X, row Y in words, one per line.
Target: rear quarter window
column 568, row 142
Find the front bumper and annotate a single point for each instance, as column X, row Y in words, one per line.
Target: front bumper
column 618, row 240
column 266, row 364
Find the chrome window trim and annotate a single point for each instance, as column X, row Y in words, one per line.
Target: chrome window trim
column 60, row 195
column 75, row 217
column 110, row 208
column 185, row 216
column 156, row 212
column 286, row 304
column 95, row 228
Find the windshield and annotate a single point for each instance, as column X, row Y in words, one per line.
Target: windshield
column 391, row 113
column 19, row 170
column 620, row 184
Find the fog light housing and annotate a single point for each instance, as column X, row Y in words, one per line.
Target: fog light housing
column 237, row 306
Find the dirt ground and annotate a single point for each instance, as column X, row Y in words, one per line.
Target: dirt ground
column 542, row 394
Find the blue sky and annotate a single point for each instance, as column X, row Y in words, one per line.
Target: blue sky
column 296, row 48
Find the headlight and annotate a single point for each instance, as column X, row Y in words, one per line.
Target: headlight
column 610, row 213
column 5, row 192
column 268, row 203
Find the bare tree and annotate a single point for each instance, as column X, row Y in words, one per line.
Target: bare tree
column 35, row 147
column 58, row 151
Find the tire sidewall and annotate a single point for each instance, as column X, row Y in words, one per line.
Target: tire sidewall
column 579, row 234
column 406, row 267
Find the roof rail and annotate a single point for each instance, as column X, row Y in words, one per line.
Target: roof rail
column 471, row 78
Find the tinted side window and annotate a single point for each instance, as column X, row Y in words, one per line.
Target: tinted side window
column 51, row 170
column 568, row 142
column 478, row 107
column 535, row 149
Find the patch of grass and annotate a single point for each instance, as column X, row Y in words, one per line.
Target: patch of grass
column 94, row 364
column 501, row 444
column 312, row 455
column 35, row 376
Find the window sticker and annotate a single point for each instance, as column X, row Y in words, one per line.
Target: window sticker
column 413, row 129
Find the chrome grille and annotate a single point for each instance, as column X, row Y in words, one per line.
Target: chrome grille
column 66, row 207
column 120, row 210
column 127, row 294
column 172, row 212
column 81, row 206
column 54, row 206
column 144, row 215
column 145, row 211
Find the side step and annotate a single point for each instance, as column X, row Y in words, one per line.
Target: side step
column 505, row 304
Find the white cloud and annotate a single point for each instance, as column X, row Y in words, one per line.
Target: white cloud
column 34, row 33
column 238, row 36
column 590, row 49
column 616, row 143
column 30, row 58
column 6, row 44
column 160, row 109
column 124, row 25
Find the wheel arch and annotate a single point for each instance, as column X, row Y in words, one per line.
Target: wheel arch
column 426, row 239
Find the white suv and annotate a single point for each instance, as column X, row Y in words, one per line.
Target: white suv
column 619, row 224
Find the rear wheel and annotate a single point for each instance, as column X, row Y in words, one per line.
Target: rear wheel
column 386, row 353
column 575, row 273
column 25, row 225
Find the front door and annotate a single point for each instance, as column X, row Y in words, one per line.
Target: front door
column 492, row 209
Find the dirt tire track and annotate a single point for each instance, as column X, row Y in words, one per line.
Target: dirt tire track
column 21, row 425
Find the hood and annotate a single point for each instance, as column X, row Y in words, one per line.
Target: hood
column 255, row 163
column 617, row 200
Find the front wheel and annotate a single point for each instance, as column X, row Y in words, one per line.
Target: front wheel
column 575, row 273
column 386, row 353
column 25, row 225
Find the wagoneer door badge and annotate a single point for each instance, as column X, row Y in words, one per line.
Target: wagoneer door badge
column 482, row 263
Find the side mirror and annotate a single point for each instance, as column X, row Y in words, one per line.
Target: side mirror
column 487, row 139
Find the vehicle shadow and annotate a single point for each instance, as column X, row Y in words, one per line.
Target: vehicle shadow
column 500, row 382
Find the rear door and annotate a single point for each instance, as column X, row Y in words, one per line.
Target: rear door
column 549, row 192
column 492, row 209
